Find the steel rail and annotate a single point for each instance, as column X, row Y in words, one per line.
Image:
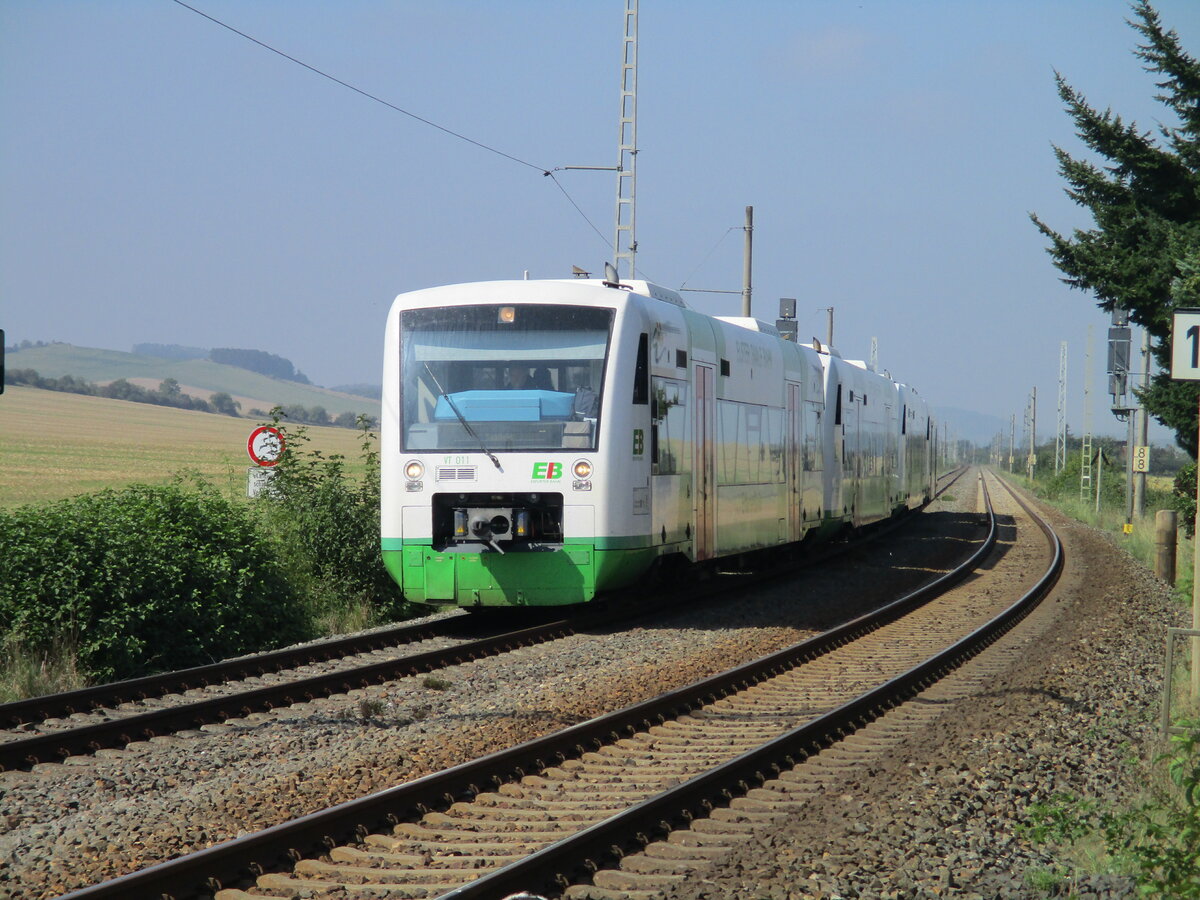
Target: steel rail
column 56, row 746
column 50, row 706
column 201, row 873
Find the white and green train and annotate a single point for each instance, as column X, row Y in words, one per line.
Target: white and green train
column 546, row 442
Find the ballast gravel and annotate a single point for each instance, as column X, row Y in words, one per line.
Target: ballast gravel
column 934, row 831
column 946, row 815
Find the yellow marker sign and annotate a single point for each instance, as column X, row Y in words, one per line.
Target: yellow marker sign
column 1127, row 528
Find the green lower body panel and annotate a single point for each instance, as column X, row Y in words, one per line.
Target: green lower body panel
column 573, row 574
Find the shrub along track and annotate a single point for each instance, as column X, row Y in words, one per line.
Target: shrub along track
column 580, row 777
column 56, row 727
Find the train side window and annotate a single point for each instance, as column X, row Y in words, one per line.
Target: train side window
column 641, row 372
column 669, row 427
column 837, row 413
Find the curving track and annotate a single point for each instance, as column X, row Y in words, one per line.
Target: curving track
column 723, row 746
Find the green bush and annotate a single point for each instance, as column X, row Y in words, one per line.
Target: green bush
column 1066, row 482
column 142, row 579
column 327, row 525
column 1183, row 497
column 1156, row 841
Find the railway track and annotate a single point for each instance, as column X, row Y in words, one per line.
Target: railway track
column 113, row 722
column 54, row 728
column 595, row 791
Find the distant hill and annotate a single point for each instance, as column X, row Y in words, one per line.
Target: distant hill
column 198, row 377
column 170, row 351
column 374, row 391
column 258, row 361
column 978, row 428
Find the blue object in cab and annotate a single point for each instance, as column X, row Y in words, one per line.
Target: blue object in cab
column 506, row 406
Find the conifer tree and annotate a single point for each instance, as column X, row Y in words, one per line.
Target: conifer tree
column 1143, row 253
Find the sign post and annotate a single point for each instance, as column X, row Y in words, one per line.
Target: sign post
column 265, row 446
column 1185, row 366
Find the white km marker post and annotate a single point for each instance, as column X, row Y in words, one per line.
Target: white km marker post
column 1185, row 366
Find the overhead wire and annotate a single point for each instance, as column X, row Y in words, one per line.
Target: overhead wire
column 558, row 184
column 462, row 137
column 706, row 259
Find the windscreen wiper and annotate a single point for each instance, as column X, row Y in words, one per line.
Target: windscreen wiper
column 465, row 424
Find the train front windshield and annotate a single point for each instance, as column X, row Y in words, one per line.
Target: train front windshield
column 519, row 377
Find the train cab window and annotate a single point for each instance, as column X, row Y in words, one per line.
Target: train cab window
column 837, row 413
column 522, row 377
column 641, row 372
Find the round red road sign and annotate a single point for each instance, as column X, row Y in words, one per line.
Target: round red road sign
column 265, row 445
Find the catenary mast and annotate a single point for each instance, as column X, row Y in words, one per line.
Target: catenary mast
column 625, row 236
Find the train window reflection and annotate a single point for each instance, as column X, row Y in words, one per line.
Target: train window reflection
column 531, row 380
column 669, row 431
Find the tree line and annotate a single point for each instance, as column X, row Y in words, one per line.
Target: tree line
column 169, row 393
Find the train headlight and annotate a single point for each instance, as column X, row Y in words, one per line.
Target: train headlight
column 582, row 468
column 508, row 315
column 413, row 470
column 521, row 523
column 460, row 523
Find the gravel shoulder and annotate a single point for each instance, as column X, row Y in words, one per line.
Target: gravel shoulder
column 1072, row 709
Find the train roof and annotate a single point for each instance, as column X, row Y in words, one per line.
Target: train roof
column 751, row 323
column 445, row 293
column 637, row 286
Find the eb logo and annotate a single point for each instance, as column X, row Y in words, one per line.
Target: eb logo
column 548, row 471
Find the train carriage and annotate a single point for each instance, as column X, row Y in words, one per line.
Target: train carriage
column 547, row 441
column 917, row 459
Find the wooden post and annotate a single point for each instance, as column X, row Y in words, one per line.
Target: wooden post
column 1166, row 524
column 1196, row 585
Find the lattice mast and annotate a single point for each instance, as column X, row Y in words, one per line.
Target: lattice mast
column 1031, row 426
column 1012, row 439
column 1060, row 431
column 1085, row 461
column 625, row 236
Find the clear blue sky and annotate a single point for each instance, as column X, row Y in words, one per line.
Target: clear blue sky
column 164, row 180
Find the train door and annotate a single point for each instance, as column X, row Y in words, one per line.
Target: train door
column 795, row 452
column 852, row 454
column 706, row 489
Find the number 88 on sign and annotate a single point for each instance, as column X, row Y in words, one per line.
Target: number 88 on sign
column 1185, row 345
